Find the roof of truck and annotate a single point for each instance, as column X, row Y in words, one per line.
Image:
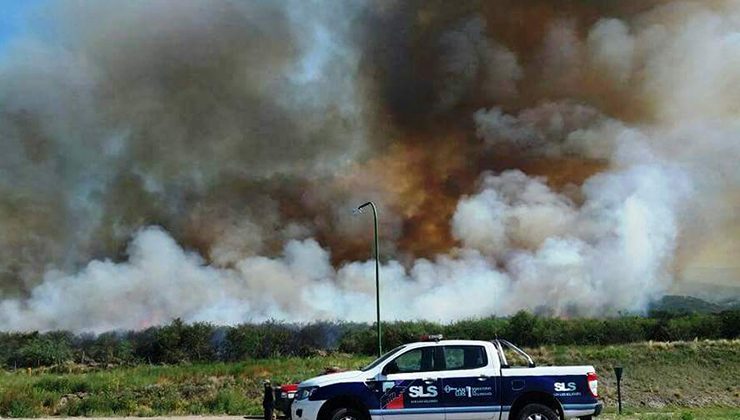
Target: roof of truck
column 451, row 342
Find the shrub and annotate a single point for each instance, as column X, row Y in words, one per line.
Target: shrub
column 107, row 348
column 179, row 342
column 229, row 401
column 521, row 329
column 486, row 328
column 690, row 327
column 730, row 323
column 360, row 340
column 44, row 351
column 20, row 402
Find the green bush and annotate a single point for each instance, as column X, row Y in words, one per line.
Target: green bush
column 20, row 402
column 692, row 327
column 62, row 384
column 107, row 348
column 229, row 401
column 730, row 323
column 630, row 329
column 486, row 328
column 261, row 341
column 521, row 329
column 44, row 351
column 179, row 342
column 360, row 340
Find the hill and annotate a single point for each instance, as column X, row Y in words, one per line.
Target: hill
column 689, row 305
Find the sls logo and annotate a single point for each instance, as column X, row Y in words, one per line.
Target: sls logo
column 420, row 392
column 563, row 387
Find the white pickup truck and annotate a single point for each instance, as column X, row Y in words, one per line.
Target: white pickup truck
column 450, row 380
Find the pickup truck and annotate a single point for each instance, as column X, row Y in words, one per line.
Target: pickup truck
column 451, row 380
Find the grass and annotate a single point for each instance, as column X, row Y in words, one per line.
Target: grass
column 677, row 414
column 693, row 380
column 660, row 375
column 219, row 388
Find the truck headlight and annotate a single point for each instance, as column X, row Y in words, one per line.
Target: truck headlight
column 305, row 393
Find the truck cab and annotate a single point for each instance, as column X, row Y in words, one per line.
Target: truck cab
column 450, row 380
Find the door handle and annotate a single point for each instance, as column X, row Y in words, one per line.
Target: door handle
column 484, row 378
column 429, row 381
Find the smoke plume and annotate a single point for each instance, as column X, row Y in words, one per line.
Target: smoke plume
column 200, row 160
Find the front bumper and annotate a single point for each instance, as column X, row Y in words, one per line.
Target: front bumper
column 305, row 409
column 284, row 404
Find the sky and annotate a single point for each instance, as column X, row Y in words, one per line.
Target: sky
column 14, row 16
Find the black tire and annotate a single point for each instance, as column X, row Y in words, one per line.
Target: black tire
column 537, row 412
column 346, row 414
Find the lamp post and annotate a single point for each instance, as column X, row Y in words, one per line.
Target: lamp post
column 377, row 272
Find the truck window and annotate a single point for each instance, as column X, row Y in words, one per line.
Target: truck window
column 382, row 358
column 514, row 359
column 465, row 357
column 416, row 360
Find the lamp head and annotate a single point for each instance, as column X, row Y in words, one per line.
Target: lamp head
column 360, row 210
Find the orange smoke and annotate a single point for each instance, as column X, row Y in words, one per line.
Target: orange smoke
column 422, row 178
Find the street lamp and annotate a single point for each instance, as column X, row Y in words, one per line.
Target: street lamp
column 377, row 271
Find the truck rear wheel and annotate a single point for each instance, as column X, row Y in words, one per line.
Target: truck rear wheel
column 346, row 414
column 537, row 412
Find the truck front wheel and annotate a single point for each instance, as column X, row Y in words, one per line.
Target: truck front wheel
column 537, row 412
column 346, row 414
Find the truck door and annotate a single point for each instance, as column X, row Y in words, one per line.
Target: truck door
column 411, row 388
column 469, row 385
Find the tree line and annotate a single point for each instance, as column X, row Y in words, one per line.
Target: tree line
column 199, row 342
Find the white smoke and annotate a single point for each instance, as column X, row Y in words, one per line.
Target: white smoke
column 525, row 247
column 612, row 49
column 552, row 129
column 512, row 211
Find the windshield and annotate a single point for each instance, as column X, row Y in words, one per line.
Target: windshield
column 382, row 358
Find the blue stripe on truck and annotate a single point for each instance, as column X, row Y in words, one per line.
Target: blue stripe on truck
column 408, row 411
column 480, row 409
